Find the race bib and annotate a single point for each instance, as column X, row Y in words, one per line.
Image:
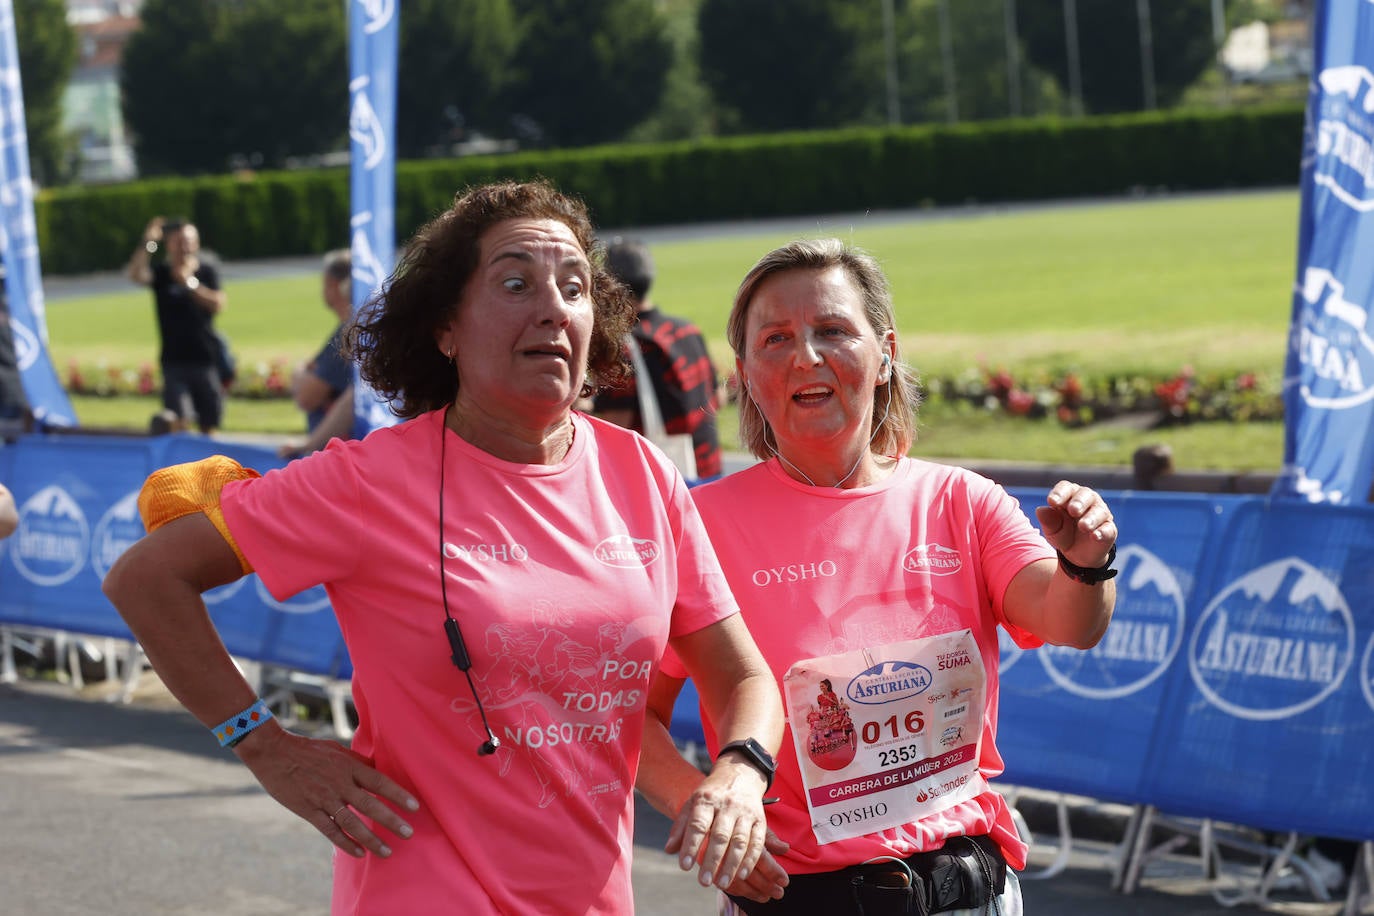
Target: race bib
column 888, row 735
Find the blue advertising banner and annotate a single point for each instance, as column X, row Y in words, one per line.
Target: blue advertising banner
column 19, row 244
column 1066, row 703
column 1329, row 374
column 1236, row 680
column 373, row 29
column 1270, row 712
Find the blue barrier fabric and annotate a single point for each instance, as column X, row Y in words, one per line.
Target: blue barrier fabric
column 77, row 498
column 1329, row 373
column 1067, row 706
column 1235, row 682
column 1270, row 715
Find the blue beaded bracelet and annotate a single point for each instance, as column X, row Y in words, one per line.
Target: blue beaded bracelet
column 235, row 728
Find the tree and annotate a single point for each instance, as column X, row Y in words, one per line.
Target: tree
column 979, row 39
column 1109, row 48
column 799, row 64
column 170, row 80
column 455, row 63
column 686, row 109
column 293, row 99
column 47, row 54
column 588, row 72
column 214, row 81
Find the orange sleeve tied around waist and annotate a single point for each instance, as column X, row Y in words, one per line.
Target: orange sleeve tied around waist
column 172, row 492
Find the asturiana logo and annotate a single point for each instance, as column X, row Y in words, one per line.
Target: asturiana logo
column 1341, row 152
column 1333, row 348
column 888, row 681
column 627, row 552
column 935, row 559
column 50, row 546
column 1140, row 645
column 115, row 533
column 26, row 346
column 1273, row 643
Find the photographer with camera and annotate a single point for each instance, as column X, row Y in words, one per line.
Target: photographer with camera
column 187, row 297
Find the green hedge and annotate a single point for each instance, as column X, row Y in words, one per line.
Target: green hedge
column 272, row 214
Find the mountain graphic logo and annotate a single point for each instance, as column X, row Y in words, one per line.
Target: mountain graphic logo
column 118, row 529
column 50, row 546
column 1273, row 643
column 1142, row 641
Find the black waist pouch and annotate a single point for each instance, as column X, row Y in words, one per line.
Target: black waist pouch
column 966, row 872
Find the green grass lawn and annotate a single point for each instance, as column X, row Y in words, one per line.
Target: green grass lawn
column 1130, row 286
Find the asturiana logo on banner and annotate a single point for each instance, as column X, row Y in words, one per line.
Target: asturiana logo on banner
column 53, row 538
column 1273, row 643
column 1367, row 663
column 115, row 533
column 1140, row 645
column 888, row 681
column 364, row 127
column 1342, row 144
column 379, row 14
column 1332, row 344
column 27, row 349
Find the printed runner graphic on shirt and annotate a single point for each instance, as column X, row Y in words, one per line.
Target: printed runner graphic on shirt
column 885, row 736
column 560, row 704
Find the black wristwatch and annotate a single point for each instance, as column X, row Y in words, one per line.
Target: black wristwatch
column 1089, row 575
column 755, row 755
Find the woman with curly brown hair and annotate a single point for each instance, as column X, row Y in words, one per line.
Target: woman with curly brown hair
column 565, row 550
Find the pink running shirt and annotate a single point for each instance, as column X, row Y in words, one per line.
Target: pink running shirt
column 566, row 580
column 819, row 571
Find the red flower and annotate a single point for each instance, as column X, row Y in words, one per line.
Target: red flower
column 146, row 383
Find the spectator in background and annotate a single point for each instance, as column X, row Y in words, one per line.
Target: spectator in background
column 9, row 515
column 15, row 416
column 187, row 296
column 323, row 387
column 675, row 355
column 316, row 385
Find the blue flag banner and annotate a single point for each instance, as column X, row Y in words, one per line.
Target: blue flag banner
column 373, row 30
column 19, row 244
column 1329, row 374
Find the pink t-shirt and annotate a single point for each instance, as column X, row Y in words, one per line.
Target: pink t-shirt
column 566, row 579
column 820, row 571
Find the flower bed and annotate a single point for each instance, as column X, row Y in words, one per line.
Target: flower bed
column 259, row 381
column 1070, row 399
column 1074, row 401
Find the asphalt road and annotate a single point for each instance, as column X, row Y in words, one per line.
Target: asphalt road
column 132, row 810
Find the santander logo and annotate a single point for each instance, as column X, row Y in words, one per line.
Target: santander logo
column 626, row 552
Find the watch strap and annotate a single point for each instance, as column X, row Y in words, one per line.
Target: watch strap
column 1089, row 575
column 755, row 755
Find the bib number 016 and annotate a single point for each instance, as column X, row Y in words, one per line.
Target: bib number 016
column 913, row 724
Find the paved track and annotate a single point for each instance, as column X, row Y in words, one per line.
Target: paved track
column 132, row 810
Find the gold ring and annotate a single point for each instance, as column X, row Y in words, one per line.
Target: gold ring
column 343, row 807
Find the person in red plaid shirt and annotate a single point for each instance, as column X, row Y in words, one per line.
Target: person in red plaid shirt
column 676, row 356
